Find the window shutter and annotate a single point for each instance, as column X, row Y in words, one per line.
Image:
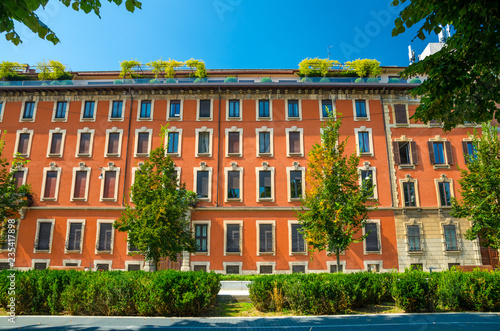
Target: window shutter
column 400, row 112
column 430, row 144
column 294, row 141
column 109, row 184
column 395, row 149
column 24, row 139
column 50, row 184
column 80, row 184
column 414, row 154
column 44, row 235
column 234, row 142
column 449, row 152
column 142, row 143
column 113, row 143
column 233, row 178
column 372, row 238
column 466, row 151
column 84, row 144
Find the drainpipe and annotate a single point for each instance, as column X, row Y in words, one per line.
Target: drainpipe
column 218, row 154
column 128, row 142
column 387, row 147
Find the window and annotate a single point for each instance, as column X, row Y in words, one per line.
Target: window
column 265, row 269
column 175, row 109
column 116, row 111
column 105, row 237
column 298, row 269
column 451, row 265
column 102, row 267
column 450, row 237
column 264, row 111
column 440, row 153
column 232, row 269
column 28, row 113
column 1, row 113
column 202, row 184
column 405, row 153
column 266, row 237
column 233, row 184
column 43, row 241
column 205, row 109
column 372, row 242
column 296, row 184
column 444, row 194
column 201, row 237
column 373, row 267
column 413, row 233
column 74, row 236
column 326, row 107
column 294, row 141
column 360, row 106
column 109, row 185
column 145, row 113
column 40, row 265
column 113, row 142
column 400, row 114
column 85, row 142
column 298, row 244
column 50, row 186
column 417, row 266
column 364, row 141
column 56, row 143
column 23, row 142
column 409, row 194
column 143, row 141
column 204, row 142
column 133, row 267
column 367, row 180
column 234, row 141
column 173, row 143
column 469, row 150
column 334, row 269
column 234, row 109
column 7, row 243
column 200, row 267
column 80, row 182
column 264, row 144
column 60, row 110
column 19, row 177
column 233, row 238
column 293, row 109
column 88, row 110
column 265, row 184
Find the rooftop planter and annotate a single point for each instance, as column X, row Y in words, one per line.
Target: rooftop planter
column 266, row 80
column 231, row 80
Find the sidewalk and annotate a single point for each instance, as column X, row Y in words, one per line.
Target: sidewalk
column 408, row 322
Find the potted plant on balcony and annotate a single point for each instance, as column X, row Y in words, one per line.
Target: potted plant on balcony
column 316, row 68
column 11, row 71
column 365, row 68
column 231, row 80
column 266, row 80
column 127, row 68
column 200, row 73
column 54, row 71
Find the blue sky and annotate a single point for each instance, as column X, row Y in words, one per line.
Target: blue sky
column 224, row 33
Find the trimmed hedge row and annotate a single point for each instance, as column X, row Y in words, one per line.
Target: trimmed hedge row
column 413, row 291
column 167, row 293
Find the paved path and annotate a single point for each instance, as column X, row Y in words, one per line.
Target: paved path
column 407, row 322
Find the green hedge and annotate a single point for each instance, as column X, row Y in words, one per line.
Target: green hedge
column 167, row 293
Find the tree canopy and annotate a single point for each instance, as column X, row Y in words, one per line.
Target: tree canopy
column 463, row 77
column 23, row 11
column 335, row 204
column 480, row 188
column 158, row 225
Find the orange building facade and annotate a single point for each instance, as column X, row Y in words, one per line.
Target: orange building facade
column 242, row 146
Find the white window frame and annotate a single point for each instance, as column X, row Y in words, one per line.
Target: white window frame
column 21, row 119
column 68, row 225
column 169, row 100
column 106, row 146
column 116, row 119
column 265, row 167
column 409, row 179
column 63, row 139
column 240, row 100
column 379, row 238
column 233, row 167
column 203, row 167
column 2, row 109
column 108, row 262
column 264, row 119
column 81, row 167
column 82, row 119
column 91, row 147
column 295, row 167
column 329, row 264
column 240, row 223
column 18, row 135
column 299, row 102
column 37, row 234
column 443, row 179
column 98, row 234
column 320, row 106
column 290, row 253
column 367, row 107
column 46, row 261
column 198, row 108
column 54, row 110
column 210, row 142
column 205, row 264
column 179, row 147
column 287, row 133
column 150, row 118
column 150, row 135
column 129, row 252
column 21, row 168
column 458, row 233
column 405, row 139
column 366, row 166
column 258, row 223
column 133, row 262
column 226, row 264
column 271, row 141
column 52, row 167
column 78, row 262
column 208, row 223
column 111, row 167
column 370, row 138
column 294, row 263
column 240, row 132
column 413, row 222
column 134, row 170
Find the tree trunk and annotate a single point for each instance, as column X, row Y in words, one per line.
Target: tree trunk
column 338, row 259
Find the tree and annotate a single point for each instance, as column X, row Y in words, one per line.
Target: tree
column 365, row 67
column 480, row 188
column 463, row 77
column 157, row 225
column 335, row 205
column 12, row 196
column 23, row 11
column 127, row 68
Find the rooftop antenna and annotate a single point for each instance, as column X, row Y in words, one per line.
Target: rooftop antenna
column 328, row 51
column 411, row 55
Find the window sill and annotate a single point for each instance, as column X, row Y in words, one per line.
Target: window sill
column 173, row 154
column 83, row 155
column 48, row 199
column 204, row 119
column 265, row 155
column 54, row 155
column 233, row 200
column 402, row 124
column 263, row 118
column 104, row 251
column 265, row 253
column 115, row 119
column 234, row 118
column 365, row 119
column 21, row 155
column 142, row 155
column 112, row 155
column 78, row 199
column 233, row 155
column 145, row 119
column 294, row 200
column 420, row 252
column 441, row 166
column 406, row 166
column 298, row 253
column 41, row 250
column 108, row 199
column 294, row 119
column 203, row 199
column 87, row 119
column 175, row 118
column 233, row 253
column 59, row 120
column 453, row 252
column 72, row 251
column 203, row 155
column 295, row 154
column 200, row 254
column 266, row 200
column 373, row 252
column 27, row 120
column 366, row 154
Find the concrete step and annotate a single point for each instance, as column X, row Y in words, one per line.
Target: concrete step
column 234, row 291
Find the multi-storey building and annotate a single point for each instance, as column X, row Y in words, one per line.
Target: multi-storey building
column 242, row 147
